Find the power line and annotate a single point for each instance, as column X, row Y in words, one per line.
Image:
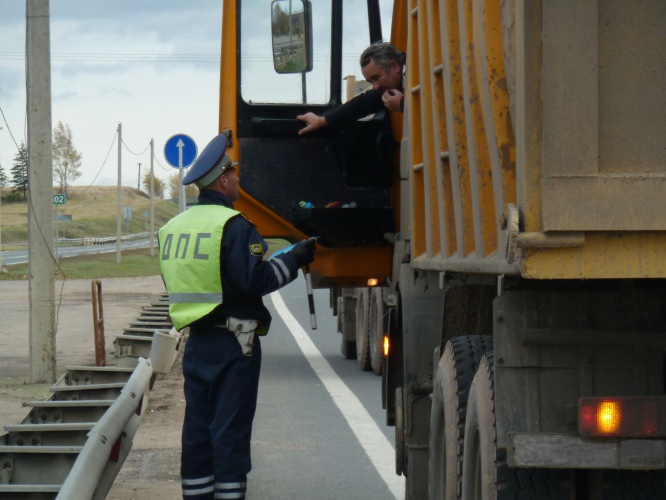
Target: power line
column 119, row 57
column 98, row 57
column 103, row 163
column 132, row 152
column 9, row 129
column 166, row 169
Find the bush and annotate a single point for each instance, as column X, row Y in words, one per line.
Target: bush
column 14, row 198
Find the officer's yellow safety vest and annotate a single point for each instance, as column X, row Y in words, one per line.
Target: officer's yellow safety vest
column 190, row 246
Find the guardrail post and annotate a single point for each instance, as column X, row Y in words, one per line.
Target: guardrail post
column 98, row 323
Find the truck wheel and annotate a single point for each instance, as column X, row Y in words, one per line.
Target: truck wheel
column 455, row 372
column 486, row 473
column 378, row 314
column 399, row 433
column 618, row 484
column 392, row 370
column 362, row 337
column 481, row 457
column 347, row 323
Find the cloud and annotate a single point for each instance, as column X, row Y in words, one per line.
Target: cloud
column 151, row 65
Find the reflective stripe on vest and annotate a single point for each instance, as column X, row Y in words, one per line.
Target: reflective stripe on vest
column 190, row 298
column 190, row 246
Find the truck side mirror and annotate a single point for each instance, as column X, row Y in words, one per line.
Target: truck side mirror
column 291, row 28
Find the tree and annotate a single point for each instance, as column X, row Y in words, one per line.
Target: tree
column 66, row 159
column 191, row 190
column 4, row 180
column 158, row 185
column 20, row 171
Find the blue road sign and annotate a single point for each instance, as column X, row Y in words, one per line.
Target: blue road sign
column 180, row 150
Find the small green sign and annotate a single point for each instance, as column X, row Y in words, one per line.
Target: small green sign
column 59, row 199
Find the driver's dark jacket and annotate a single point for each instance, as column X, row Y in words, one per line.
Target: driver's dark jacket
column 358, row 107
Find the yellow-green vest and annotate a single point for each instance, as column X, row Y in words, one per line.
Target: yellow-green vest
column 190, row 246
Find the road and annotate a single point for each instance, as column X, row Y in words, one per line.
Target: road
column 319, row 432
column 12, row 257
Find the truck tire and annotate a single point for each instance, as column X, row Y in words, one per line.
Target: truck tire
column 378, row 313
column 362, row 332
column 347, row 323
column 453, row 379
column 486, row 473
column 392, row 369
column 621, row 484
column 483, row 463
column 399, row 433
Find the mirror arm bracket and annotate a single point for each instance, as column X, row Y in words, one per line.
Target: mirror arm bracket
column 229, row 134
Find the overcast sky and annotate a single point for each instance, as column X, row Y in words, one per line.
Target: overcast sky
column 152, row 65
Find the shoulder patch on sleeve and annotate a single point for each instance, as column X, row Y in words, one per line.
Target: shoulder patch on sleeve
column 256, row 249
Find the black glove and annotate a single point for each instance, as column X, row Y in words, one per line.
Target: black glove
column 303, row 252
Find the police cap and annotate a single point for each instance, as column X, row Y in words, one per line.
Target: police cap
column 210, row 164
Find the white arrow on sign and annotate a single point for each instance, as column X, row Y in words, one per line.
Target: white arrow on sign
column 180, row 145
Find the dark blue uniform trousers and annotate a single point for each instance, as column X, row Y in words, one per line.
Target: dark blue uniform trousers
column 221, row 398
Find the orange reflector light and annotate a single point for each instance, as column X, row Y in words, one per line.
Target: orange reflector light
column 386, row 346
column 373, row 282
column 622, row 417
column 609, row 416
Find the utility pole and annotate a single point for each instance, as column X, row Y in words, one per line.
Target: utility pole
column 138, row 181
column 152, row 199
column 40, row 193
column 119, row 195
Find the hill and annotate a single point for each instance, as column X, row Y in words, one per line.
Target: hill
column 94, row 213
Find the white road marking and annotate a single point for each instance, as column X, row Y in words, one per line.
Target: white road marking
column 368, row 433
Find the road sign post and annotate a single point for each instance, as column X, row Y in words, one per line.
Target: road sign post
column 127, row 215
column 58, row 199
column 180, row 151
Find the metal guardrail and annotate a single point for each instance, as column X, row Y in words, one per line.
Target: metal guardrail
column 101, row 241
column 111, row 430
column 73, row 242
column 73, row 445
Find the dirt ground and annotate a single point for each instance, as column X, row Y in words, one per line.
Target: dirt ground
column 152, row 467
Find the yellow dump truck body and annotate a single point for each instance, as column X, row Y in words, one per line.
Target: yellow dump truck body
column 533, row 137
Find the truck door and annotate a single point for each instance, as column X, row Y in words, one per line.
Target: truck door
column 293, row 57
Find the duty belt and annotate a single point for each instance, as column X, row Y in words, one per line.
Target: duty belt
column 244, row 330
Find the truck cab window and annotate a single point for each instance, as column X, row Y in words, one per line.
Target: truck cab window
column 265, row 81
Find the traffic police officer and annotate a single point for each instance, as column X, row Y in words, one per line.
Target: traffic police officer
column 211, row 260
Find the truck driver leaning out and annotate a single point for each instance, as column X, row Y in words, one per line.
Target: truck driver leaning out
column 383, row 66
column 211, row 260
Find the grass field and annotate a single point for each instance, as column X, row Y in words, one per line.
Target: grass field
column 133, row 263
column 94, row 213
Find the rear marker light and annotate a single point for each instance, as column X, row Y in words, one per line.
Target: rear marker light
column 622, row 417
